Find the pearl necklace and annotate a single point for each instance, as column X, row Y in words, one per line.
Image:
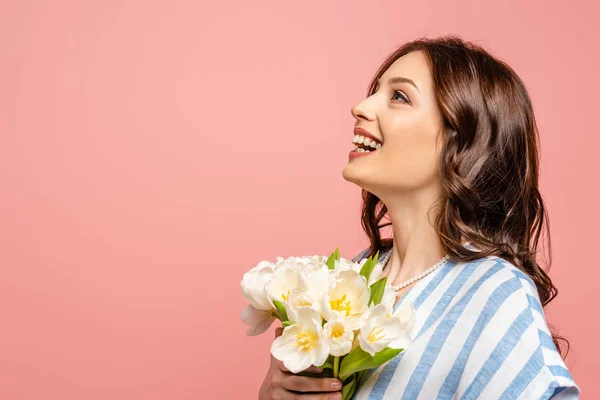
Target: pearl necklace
column 422, row 275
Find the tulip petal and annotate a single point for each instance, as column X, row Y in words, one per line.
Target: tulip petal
column 299, row 362
column 253, row 285
column 401, row 342
column 406, row 313
column 259, row 320
column 284, row 346
column 321, row 353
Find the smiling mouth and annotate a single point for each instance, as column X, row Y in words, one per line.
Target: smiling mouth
column 361, row 148
column 365, row 144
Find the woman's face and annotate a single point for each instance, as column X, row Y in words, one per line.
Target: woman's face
column 406, row 119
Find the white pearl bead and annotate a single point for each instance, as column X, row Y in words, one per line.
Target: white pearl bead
column 419, row 276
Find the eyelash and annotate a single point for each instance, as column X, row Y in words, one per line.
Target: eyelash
column 403, row 95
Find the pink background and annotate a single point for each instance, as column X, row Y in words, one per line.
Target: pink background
column 152, row 152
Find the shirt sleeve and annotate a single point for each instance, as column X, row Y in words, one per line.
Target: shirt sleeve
column 561, row 384
column 518, row 359
column 361, row 255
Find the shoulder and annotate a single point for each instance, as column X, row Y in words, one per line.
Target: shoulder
column 362, row 254
column 492, row 274
column 514, row 338
column 365, row 253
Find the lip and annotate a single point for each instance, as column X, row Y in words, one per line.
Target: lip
column 366, row 133
column 354, row 154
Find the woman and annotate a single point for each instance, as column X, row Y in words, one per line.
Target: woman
column 451, row 159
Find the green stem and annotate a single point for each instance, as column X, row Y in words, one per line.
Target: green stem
column 336, row 366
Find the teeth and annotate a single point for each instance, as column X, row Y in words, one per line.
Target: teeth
column 359, row 139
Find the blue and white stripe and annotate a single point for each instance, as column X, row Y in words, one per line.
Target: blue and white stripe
column 479, row 333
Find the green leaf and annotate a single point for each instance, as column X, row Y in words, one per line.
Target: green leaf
column 360, row 375
column 368, row 266
column 349, row 387
column 332, row 257
column 281, row 310
column 377, row 290
column 287, row 323
column 376, row 258
column 331, row 261
column 358, row 360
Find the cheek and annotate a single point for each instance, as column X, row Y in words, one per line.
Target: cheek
column 411, row 155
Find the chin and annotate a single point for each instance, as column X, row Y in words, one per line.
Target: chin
column 349, row 175
column 358, row 179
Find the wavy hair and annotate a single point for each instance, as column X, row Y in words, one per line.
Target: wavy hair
column 488, row 165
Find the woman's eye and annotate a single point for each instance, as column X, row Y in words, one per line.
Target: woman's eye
column 402, row 96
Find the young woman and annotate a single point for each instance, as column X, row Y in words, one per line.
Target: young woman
column 447, row 151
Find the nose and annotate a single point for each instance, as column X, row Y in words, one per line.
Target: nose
column 360, row 111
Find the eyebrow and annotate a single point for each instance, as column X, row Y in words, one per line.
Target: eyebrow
column 400, row 79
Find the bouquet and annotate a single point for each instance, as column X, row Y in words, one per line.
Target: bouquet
column 337, row 314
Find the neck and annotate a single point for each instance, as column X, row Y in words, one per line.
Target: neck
column 416, row 243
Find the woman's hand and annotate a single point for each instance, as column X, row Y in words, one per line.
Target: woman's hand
column 281, row 384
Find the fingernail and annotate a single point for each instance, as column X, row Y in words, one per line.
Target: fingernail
column 336, row 385
column 335, row 396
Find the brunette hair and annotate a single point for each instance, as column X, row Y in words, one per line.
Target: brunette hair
column 488, row 164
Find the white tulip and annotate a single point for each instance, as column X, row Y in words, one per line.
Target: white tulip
column 401, row 342
column 253, row 285
column 279, row 260
column 290, row 262
column 345, row 265
column 406, row 313
column 380, row 330
column 259, row 320
column 300, row 262
column 388, row 299
column 314, row 260
column 302, row 344
column 340, row 336
column 315, row 278
column 284, row 280
column 348, row 297
column 300, row 298
column 376, row 273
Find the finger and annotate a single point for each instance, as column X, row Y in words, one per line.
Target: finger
column 282, row 367
column 283, row 394
column 313, row 368
column 309, row 384
column 278, row 331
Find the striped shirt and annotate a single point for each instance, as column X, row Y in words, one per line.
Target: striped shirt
column 479, row 333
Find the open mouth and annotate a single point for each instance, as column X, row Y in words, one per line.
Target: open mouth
column 365, row 144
